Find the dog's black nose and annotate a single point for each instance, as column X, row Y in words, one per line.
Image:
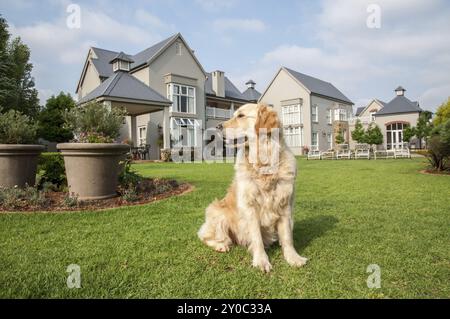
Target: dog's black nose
column 219, row 126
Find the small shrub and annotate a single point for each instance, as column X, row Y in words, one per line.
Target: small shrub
column 16, row 128
column 51, row 172
column 15, row 197
column 439, row 147
column 95, row 123
column 70, row 201
column 130, row 195
column 128, row 178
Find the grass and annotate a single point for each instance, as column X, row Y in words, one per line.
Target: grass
column 348, row 214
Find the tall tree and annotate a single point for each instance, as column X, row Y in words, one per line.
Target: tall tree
column 374, row 135
column 17, row 91
column 358, row 134
column 51, row 118
column 442, row 113
column 424, row 127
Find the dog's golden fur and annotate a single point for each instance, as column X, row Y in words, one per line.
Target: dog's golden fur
column 257, row 210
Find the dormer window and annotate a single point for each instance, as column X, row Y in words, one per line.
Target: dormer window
column 121, row 62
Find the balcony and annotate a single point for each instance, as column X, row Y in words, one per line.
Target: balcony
column 217, row 113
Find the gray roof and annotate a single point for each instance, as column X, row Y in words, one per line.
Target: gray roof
column 251, row 94
column 399, row 104
column 122, row 56
column 400, row 88
column 359, row 110
column 146, row 55
column 231, row 91
column 123, row 85
column 101, row 64
column 319, row 87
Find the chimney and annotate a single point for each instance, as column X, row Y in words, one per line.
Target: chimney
column 218, row 83
column 250, row 84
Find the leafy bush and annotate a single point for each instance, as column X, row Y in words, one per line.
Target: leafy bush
column 51, row 118
column 16, row 128
column 95, row 123
column 439, row 147
column 15, row 197
column 51, row 173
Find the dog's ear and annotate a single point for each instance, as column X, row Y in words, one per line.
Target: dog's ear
column 267, row 118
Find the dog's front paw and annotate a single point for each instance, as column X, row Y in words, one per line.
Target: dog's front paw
column 295, row 259
column 262, row 263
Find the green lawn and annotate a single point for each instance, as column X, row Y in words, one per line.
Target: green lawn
column 348, row 214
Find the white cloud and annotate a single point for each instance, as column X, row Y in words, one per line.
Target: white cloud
column 215, row 5
column 247, row 25
column 410, row 49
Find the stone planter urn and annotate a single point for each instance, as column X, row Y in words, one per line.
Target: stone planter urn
column 92, row 169
column 18, row 163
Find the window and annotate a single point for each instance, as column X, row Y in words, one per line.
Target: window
column 372, row 116
column 293, row 136
column 178, row 48
column 142, row 135
column 124, row 65
column 342, row 115
column 394, row 135
column 330, row 116
column 182, row 97
column 183, row 132
column 329, row 141
column 314, row 113
column 314, row 141
column 292, row 114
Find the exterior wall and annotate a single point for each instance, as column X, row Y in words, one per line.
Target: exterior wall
column 90, row 82
column 143, row 75
column 283, row 88
column 322, row 127
column 183, row 65
column 383, row 120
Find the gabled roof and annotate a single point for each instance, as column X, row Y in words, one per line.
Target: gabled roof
column 251, row 94
column 399, row 104
column 102, row 65
column 381, row 103
column 148, row 54
column 231, row 91
column 122, row 56
column 123, row 85
column 318, row 87
column 359, row 110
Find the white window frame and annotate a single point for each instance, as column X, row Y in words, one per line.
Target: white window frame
column 293, row 136
column 171, row 95
column 330, row 116
column 176, row 131
column 178, row 49
column 142, row 138
column 330, row 141
column 315, row 114
column 315, row 146
column 292, row 114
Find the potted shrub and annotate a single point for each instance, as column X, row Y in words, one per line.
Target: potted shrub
column 18, row 150
column 92, row 161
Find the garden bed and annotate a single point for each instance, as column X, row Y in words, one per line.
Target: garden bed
column 31, row 199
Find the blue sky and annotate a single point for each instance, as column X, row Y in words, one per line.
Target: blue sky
column 328, row 39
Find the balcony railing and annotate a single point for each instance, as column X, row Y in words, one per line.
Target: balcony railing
column 215, row 112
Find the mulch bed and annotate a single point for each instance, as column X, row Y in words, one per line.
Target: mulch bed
column 436, row 173
column 149, row 191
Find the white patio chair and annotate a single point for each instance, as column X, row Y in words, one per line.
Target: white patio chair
column 343, row 151
column 383, row 153
column 362, row 151
column 314, row 154
column 402, row 151
column 329, row 154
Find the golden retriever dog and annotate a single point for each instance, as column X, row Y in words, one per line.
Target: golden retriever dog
column 258, row 208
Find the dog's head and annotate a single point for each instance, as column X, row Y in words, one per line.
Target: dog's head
column 250, row 119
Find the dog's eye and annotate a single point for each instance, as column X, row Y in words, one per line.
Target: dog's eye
column 240, row 115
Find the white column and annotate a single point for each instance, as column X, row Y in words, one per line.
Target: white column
column 166, row 128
